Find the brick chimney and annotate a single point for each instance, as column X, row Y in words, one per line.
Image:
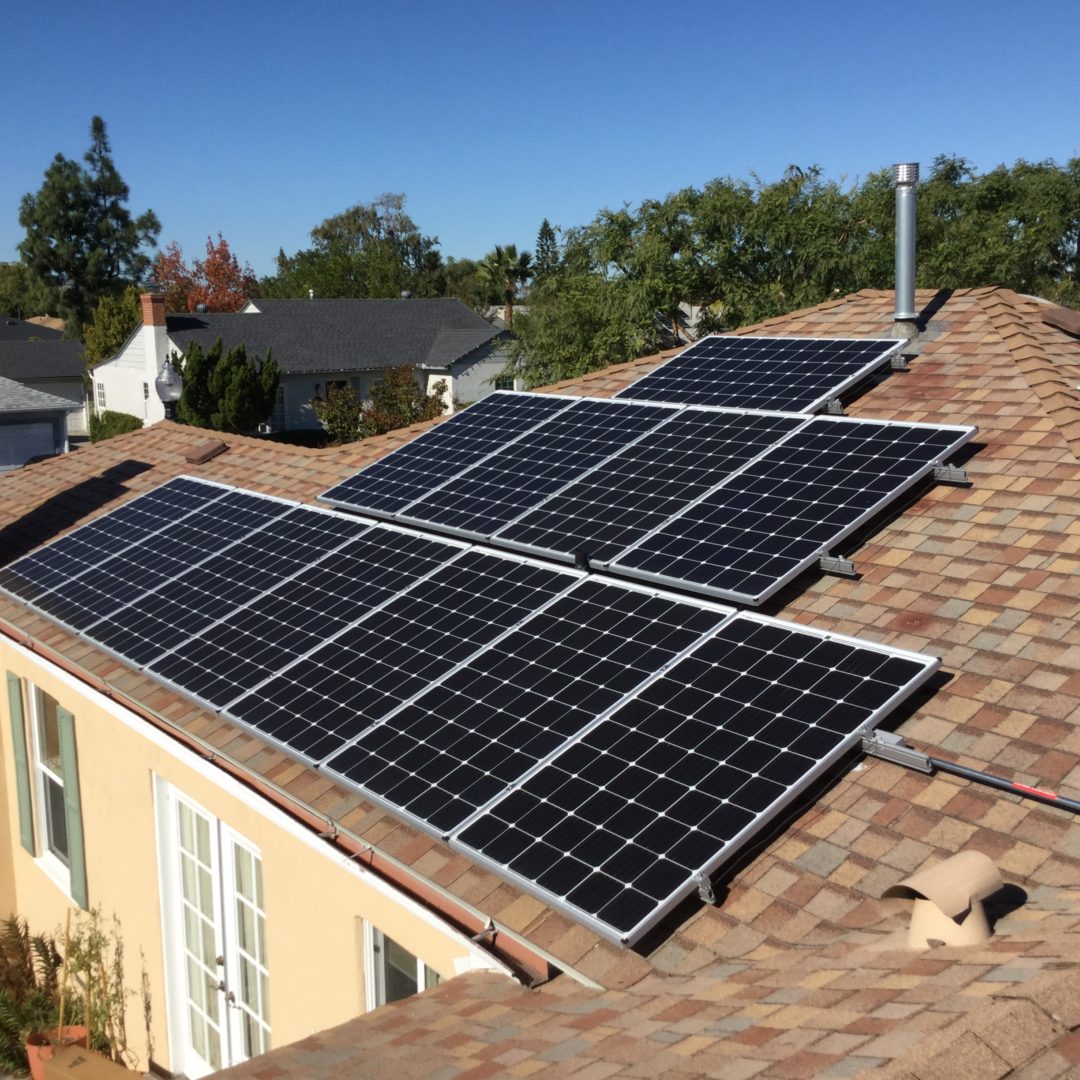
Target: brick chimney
column 153, row 309
column 155, row 344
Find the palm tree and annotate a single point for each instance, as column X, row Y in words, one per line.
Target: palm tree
column 504, row 269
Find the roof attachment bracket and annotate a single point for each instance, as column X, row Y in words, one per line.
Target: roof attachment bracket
column 951, row 474
column 704, row 888
column 898, row 363
column 831, row 564
column 833, row 407
column 491, row 928
column 889, row 746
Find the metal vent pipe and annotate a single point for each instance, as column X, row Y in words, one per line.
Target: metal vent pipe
column 906, row 177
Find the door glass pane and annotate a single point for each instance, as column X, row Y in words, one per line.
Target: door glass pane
column 251, row 976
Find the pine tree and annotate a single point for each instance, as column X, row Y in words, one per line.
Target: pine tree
column 547, row 252
column 81, row 240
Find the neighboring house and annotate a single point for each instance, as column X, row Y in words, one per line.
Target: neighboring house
column 316, row 344
column 194, row 831
column 38, row 356
column 33, row 424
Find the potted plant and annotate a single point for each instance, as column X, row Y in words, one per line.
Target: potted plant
column 31, row 979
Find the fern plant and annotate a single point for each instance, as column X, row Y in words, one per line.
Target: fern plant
column 29, row 988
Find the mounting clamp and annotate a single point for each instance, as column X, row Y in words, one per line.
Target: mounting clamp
column 898, row 363
column 704, row 888
column 831, row 564
column 833, row 407
column 889, row 746
column 951, row 474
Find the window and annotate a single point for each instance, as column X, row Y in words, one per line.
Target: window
column 101, row 395
column 47, row 785
column 146, row 391
column 50, row 776
column 504, row 382
column 393, row 972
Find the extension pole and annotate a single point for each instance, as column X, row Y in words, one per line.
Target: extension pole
column 891, row 747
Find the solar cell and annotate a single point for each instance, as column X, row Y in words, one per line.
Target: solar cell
column 773, row 519
column 459, row 744
column 331, row 695
column 480, row 499
column 392, row 482
column 617, row 825
column 637, row 490
column 742, row 372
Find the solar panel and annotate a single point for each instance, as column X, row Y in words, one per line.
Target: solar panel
column 391, row 483
column 486, row 496
column 637, row 490
column 155, row 560
column 337, row 690
column 459, row 744
column 617, row 827
column 85, row 548
column 795, row 374
column 770, row 521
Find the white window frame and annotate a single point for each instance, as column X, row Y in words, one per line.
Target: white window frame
column 101, row 395
column 55, row 868
column 374, row 980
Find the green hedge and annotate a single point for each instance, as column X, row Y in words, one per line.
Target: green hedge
column 107, row 424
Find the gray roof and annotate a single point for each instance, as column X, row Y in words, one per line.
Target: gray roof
column 14, row 397
column 52, row 359
column 322, row 336
column 12, row 329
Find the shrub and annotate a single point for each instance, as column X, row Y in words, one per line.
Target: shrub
column 106, row 424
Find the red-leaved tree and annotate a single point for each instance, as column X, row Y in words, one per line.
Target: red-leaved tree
column 218, row 281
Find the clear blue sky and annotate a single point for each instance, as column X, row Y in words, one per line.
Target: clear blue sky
column 259, row 120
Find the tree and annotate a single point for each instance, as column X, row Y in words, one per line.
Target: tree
column 547, row 252
column 369, row 250
column 81, row 240
column 397, row 400
column 112, row 323
column 20, row 295
column 106, row 424
column 218, row 281
column 227, row 391
column 340, row 413
column 505, row 270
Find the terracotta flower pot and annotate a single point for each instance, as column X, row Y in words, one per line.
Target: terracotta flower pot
column 40, row 1047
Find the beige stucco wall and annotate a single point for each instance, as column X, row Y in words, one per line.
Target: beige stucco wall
column 315, row 899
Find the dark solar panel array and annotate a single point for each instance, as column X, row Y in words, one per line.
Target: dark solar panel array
column 791, row 374
column 333, row 693
column 618, row 825
column 460, row 743
column 642, row 486
column 392, row 482
column 776, row 517
column 483, row 498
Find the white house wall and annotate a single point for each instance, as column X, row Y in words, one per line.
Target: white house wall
column 474, row 376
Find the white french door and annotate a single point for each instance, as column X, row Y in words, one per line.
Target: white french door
column 215, row 939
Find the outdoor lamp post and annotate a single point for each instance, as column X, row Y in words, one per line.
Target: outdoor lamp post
column 169, row 387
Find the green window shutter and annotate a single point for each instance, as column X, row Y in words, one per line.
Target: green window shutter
column 72, row 808
column 22, row 763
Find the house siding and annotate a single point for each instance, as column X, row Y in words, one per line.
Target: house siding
column 315, row 898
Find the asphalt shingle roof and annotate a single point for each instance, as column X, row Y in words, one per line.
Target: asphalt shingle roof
column 52, row 359
column 800, row 968
column 326, row 336
column 15, row 397
column 12, row 329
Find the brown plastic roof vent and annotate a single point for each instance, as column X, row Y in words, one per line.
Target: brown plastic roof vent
column 949, row 900
column 205, row 451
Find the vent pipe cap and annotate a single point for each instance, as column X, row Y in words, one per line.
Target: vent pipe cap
column 907, row 173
